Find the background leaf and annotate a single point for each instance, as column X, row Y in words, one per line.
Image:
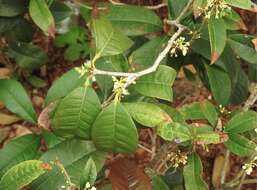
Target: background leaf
column 134, row 20
column 10, row 8
column 16, row 100
column 42, row 16
column 18, row 150
column 22, row 174
column 210, row 112
column 114, row 130
column 246, row 4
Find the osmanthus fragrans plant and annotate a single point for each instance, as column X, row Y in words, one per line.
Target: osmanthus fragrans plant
column 131, row 61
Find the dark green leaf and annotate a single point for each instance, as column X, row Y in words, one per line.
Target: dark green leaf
column 27, row 55
column 22, row 174
column 217, row 35
column 10, row 8
column 60, row 11
column 134, row 20
column 240, row 145
column 15, row 98
column 114, row 130
column 108, row 40
column 147, row 114
column 242, row 122
column 71, row 80
column 158, row 84
column 220, row 84
column 18, row 150
column 175, row 7
column 193, row 173
column 42, row 16
column 159, row 184
column 76, row 113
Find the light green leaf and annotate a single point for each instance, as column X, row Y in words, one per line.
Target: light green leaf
column 70, row 80
column 147, row 114
column 18, row 150
column 172, row 131
column 76, row 113
column 42, row 16
column 193, row 172
column 244, row 51
column 114, row 130
column 242, row 122
column 220, row 84
column 10, row 8
column 157, row 84
column 245, row 4
column 134, row 20
column 173, row 113
column 73, row 154
column 192, row 111
column 240, row 145
column 108, row 40
column 22, row 174
column 217, row 36
column 27, row 55
column 89, row 173
column 210, row 112
column 205, row 135
column 152, row 48
column 15, row 98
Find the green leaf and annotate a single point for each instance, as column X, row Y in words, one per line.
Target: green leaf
column 240, row 145
column 37, row 82
column 159, row 184
column 205, row 135
column 220, row 84
column 71, row 80
column 22, row 174
column 217, row 35
column 60, row 11
column 192, row 111
column 152, row 48
column 134, row 20
column 157, row 84
column 114, row 130
column 173, row 113
column 244, row 51
column 245, row 4
column 76, row 113
column 18, row 150
column 73, row 154
column 108, row 40
column 15, row 98
column 10, row 8
column 193, row 172
column 175, row 131
column 210, row 112
column 42, row 16
column 74, row 51
column 147, row 114
column 89, row 173
column 27, row 55
column 242, row 122
column 175, row 7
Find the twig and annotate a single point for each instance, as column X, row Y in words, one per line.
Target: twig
column 252, row 98
column 153, row 7
column 144, row 148
column 224, row 171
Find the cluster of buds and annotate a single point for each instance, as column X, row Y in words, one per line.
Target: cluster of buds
column 85, row 68
column 219, row 8
column 248, row 167
column 119, row 87
column 89, row 187
column 180, row 44
column 177, row 158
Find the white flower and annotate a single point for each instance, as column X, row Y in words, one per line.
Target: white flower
column 88, row 185
column 180, row 44
column 93, row 188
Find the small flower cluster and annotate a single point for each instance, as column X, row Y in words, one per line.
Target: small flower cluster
column 119, row 87
column 85, row 68
column 88, row 187
column 180, row 44
column 248, row 167
column 219, row 8
column 177, row 158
